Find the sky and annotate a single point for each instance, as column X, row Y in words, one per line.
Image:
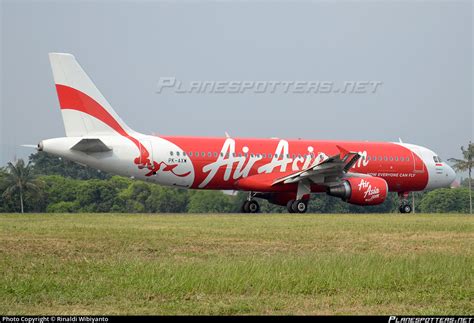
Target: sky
column 420, row 51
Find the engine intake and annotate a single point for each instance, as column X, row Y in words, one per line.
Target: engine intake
column 361, row 191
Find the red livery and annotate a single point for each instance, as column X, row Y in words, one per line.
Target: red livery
column 283, row 171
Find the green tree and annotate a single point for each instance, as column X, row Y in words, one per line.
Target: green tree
column 134, row 197
column 445, row 200
column 166, row 199
column 63, row 207
column 210, row 202
column 20, row 180
column 60, row 189
column 47, row 164
column 6, row 204
column 323, row 203
column 97, row 195
column 466, row 164
column 465, row 182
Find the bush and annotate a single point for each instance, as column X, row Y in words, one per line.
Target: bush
column 446, row 200
column 210, row 202
column 62, row 207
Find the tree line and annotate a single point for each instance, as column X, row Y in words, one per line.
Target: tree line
column 50, row 184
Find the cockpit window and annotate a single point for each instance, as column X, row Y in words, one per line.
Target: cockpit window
column 437, row 159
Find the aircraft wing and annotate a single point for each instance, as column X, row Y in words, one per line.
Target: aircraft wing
column 326, row 171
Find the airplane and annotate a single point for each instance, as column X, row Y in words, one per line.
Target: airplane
column 284, row 172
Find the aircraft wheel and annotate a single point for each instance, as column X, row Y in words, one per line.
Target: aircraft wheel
column 299, row 206
column 405, row 208
column 245, row 207
column 253, row 206
column 289, row 206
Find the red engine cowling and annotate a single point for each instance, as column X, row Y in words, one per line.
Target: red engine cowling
column 361, row 191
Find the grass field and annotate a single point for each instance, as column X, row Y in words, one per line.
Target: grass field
column 236, row 264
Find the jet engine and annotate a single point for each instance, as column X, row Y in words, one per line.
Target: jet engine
column 361, row 190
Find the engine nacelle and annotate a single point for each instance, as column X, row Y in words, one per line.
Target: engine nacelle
column 361, row 191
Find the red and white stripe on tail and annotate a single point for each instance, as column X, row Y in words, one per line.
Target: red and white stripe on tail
column 84, row 109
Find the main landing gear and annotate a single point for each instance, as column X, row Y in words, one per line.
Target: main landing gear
column 297, row 206
column 250, row 205
column 405, row 206
column 300, row 205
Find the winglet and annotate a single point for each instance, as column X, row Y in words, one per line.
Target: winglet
column 342, row 152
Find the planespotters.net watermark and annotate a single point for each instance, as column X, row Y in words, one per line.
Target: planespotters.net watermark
column 427, row 319
column 171, row 84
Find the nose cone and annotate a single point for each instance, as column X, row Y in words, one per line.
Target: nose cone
column 450, row 175
column 440, row 175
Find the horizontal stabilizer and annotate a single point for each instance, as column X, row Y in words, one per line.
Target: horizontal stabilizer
column 91, row 146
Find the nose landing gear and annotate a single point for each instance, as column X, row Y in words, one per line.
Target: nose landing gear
column 250, row 205
column 405, row 206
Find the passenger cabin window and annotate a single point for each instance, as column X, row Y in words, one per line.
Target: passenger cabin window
column 171, row 153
